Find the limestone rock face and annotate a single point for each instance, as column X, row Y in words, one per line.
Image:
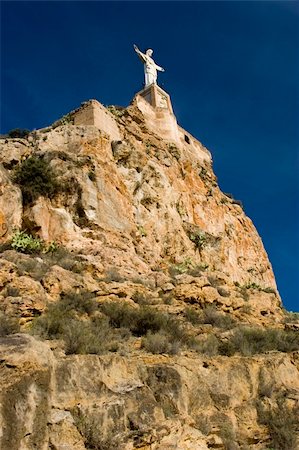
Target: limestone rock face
column 25, row 396
column 153, row 402
column 10, row 205
column 143, row 191
column 140, row 204
column 135, row 220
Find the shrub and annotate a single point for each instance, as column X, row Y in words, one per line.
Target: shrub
column 291, row 317
column 65, row 259
column 282, row 423
column 253, row 286
column 223, row 292
column 25, row 243
column 238, row 202
column 18, row 133
column 92, row 433
column 51, row 324
column 31, row 266
column 138, row 320
column 143, row 320
column 174, row 151
column 64, row 120
column 8, row 325
column 52, row 247
column 249, row 341
column 35, row 178
column 192, row 316
column 199, row 239
column 229, row 195
column 93, row 337
column 97, row 333
column 117, row 111
column 141, row 299
column 197, row 270
column 183, row 267
column 139, row 280
column 112, row 274
column 62, row 320
column 269, row 290
column 211, row 316
column 204, row 425
column 76, row 335
column 82, row 303
column 243, row 291
column 160, row 342
column 228, row 437
column 12, row 291
column 209, row 346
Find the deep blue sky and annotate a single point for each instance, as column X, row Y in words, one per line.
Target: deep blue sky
column 232, row 70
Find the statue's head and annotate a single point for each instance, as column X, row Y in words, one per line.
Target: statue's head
column 149, row 52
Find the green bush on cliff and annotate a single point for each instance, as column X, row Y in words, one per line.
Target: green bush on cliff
column 93, row 436
column 160, row 342
column 18, row 133
column 25, row 243
column 35, row 178
column 250, row 341
column 86, row 327
column 143, row 320
column 282, row 423
column 161, row 333
column 199, row 238
column 209, row 315
column 66, row 320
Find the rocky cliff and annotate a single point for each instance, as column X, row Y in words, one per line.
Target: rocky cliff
column 148, row 311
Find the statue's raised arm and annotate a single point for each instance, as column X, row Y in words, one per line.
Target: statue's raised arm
column 139, row 53
column 150, row 67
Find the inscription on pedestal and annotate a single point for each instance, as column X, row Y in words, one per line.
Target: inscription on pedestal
column 161, row 100
column 156, row 97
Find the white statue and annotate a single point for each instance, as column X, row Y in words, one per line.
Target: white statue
column 150, row 67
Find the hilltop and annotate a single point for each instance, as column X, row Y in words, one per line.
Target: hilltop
column 138, row 306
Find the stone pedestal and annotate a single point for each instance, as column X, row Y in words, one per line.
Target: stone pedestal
column 156, row 107
column 156, row 97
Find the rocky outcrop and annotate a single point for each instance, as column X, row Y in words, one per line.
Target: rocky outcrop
column 145, row 193
column 141, row 205
column 145, row 401
column 132, row 219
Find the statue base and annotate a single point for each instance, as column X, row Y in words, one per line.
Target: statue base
column 155, row 105
column 156, row 97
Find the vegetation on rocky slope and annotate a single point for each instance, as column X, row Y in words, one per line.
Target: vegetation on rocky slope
column 36, row 178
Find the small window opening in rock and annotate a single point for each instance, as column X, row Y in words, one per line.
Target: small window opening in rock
column 187, row 139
